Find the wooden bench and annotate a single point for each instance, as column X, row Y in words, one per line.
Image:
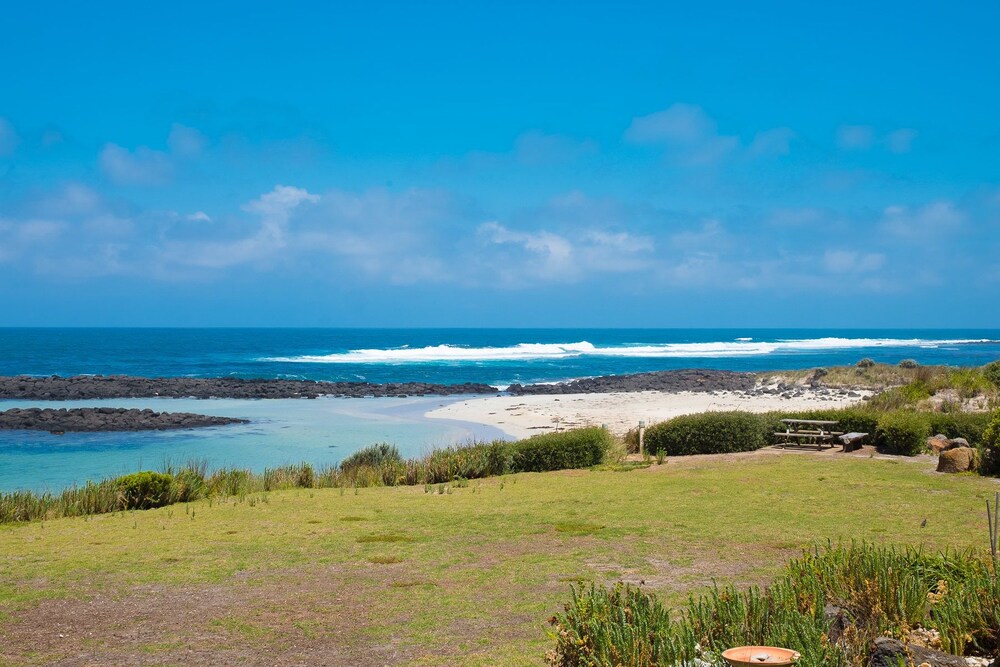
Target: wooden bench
column 852, row 440
column 806, row 432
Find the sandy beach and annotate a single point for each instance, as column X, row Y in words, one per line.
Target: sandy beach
column 522, row 416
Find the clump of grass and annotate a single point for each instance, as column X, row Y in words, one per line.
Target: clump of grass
column 385, row 560
column 353, row 518
column 578, row 528
column 880, row 591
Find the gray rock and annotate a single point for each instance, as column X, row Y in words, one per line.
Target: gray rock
column 893, row 653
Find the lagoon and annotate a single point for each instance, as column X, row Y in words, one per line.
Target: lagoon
column 319, row 431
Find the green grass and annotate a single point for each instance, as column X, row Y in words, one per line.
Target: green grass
column 480, row 569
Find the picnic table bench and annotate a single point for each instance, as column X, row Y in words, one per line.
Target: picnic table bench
column 805, row 432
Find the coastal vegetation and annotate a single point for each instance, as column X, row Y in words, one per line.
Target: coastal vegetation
column 465, row 574
column 377, row 465
column 830, row 604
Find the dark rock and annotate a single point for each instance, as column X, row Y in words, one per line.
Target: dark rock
column 838, row 619
column 57, row 388
column 105, row 419
column 701, row 380
column 955, row 443
column 893, row 653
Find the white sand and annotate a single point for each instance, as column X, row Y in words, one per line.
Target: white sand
column 522, row 416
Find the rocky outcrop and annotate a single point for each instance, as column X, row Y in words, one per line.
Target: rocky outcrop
column 85, row 387
column 938, row 443
column 105, row 419
column 893, row 653
column 959, row 459
column 681, row 380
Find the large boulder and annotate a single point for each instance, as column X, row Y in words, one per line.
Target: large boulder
column 960, row 459
column 893, row 653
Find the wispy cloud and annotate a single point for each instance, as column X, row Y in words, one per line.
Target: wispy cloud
column 9, row 138
column 143, row 166
column 923, row 222
column 691, row 136
column 865, row 137
column 274, row 211
column 148, row 166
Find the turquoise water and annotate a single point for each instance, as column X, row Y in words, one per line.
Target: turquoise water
column 283, row 431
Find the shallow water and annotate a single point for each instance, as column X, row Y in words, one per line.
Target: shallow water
column 282, row 431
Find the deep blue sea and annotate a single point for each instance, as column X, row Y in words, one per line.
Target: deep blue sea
column 494, row 356
column 323, row 431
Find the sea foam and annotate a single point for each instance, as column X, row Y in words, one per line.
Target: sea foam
column 541, row 351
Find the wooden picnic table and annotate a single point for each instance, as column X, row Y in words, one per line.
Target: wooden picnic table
column 804, row 432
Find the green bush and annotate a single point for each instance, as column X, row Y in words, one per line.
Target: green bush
column 709, row 433
column 908, row 363
column 143, row 490
column 579, row 448
column 866, row 363
column 990, row 446
column 373, row 455
column 991, row 372
column 902, row 433
column 968, row 425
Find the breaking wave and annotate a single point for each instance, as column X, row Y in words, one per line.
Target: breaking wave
column 740, row 347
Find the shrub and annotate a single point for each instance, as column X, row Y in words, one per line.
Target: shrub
column 991, row 372
column 968, row 425
column 866, row 363
column 709, row 433
column 990, row 448
column 901, row 397
column 902, row 433
column 373, row 455
column 143, row 490
column 580, row 448
column 908, row 363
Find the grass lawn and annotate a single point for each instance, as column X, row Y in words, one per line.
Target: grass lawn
column 466, row 577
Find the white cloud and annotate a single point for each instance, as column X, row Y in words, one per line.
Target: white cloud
column 198, row 216
column 185, row 141
column 691, row 136
column 855, row 137
column 864, row 137
column 933, row 219
column 538, row 148
column 772, row 142
column 8, row 137
column 680, row 123
column 710, row 237
column 274, row 209
column 545, row 255
column 850, row 261
column 144, row 166
column 901, row 141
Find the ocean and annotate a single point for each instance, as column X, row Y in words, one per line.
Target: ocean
column 323, row 431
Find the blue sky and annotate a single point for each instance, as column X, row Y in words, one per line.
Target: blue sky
column 501, row 164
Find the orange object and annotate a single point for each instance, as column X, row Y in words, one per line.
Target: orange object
column 745, row 656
